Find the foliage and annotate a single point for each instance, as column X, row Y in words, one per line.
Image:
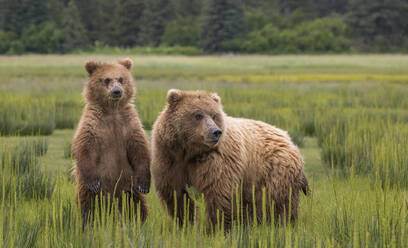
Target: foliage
column 44, row 38
column 75, row 37
column 183, row 31
column 17, row 15
column 379, row 23
column 222, row 21
column 239, row 26
column 153, row 22
column 7, row 39
column 128, row 22
column 321, row 35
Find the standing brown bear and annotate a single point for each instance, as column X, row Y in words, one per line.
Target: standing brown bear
column 110, row 148
column 196, row 144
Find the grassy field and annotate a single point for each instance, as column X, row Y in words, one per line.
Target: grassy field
column 349, row 115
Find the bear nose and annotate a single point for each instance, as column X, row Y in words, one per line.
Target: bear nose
column 217, row 133
column 116, row 92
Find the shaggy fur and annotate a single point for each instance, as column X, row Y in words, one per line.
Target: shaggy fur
column 110, row 148
column 250, row 156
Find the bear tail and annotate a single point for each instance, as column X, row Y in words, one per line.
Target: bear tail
column 304, row 184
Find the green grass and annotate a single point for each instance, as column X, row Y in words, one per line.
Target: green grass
column 338, row 213
column 348, row 114
column 51, row 70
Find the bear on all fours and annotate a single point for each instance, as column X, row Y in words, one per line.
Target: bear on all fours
column 110, row 148
column 196, row 144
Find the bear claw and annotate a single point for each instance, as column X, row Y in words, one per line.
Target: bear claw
column 143, row 189
column 94, row 187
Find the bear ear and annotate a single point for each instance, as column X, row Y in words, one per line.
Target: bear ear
column 91, row 66
column 174, row 96
column 126, row 63
column 215, row 97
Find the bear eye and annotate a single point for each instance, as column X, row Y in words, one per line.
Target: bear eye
column 120, row 80
column 199, row 117
column 107, row 80
column 214, row 117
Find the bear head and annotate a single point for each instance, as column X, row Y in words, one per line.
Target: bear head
column 197, row 117
column 109, row 84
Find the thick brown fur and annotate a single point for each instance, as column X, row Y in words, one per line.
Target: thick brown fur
column 250, row 156
column 110, row 148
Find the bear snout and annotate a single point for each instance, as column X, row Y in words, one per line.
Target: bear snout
column 116, row 92
column 216, row 134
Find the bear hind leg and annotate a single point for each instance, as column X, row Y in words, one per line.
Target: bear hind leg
column 86, row 201
column 287, row 210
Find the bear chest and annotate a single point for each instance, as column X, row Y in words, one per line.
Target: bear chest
column 209, row 173
column 201, row 173
column 112, row 135
column 112, row 141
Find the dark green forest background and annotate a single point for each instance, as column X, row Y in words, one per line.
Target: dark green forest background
column 204, row 26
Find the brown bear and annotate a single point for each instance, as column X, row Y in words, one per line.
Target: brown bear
column 110, row 148
column 235, row 163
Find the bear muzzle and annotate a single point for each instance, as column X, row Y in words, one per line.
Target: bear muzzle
column 116, row 93
column 216, row 134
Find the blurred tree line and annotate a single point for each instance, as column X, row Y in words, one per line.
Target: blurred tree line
column 248, row 26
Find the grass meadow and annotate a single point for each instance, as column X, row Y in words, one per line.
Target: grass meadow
column 347, row 113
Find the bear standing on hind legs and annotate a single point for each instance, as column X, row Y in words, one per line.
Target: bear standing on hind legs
column 110, row 148
column 196, row 144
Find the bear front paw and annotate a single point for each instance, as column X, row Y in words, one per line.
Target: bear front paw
column 94, row 187
column 143, row 189
column 143, row 186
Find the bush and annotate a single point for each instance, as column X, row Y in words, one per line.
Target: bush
column 181, row 32
column 264, row 40
column 44, row 38
column 328, row 34
column 323, row 35
column 6, row 39
column 16, row 47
